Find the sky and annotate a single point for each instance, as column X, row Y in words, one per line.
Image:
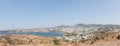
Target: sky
column 18, row 14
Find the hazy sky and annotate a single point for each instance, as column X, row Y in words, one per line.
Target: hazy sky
column 16, row 14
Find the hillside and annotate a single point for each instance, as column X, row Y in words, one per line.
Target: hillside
column 99, row 39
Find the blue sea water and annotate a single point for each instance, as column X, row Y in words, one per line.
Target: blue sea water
column 35, row 33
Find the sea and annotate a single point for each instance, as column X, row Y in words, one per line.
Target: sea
column 51, row 34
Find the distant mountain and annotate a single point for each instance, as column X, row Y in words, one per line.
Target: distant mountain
column 64, row 28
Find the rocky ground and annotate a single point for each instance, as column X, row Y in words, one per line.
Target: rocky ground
column 99, row 39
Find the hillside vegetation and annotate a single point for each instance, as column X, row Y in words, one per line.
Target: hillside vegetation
column 101, row 38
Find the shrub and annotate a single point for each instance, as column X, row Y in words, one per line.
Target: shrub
column 56, row 42
column 118, row 37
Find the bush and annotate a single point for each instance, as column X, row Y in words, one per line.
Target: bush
column 118, row 37
column 56, row 42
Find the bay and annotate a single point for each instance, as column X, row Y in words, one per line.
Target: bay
column 35, row 33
